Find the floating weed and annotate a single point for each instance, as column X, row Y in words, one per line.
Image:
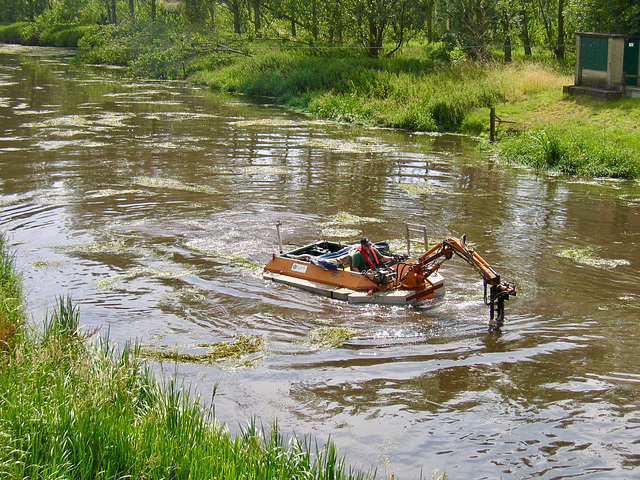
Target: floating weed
column 187, row 294
column 264, row 170
column 45, row 264
column 241, row 346
column 107, row 283
column 331, row 337
column 349, row 146
column 631, row 200
column 340, row 233
column 65, row 133
column 156, row 182
column 342, row 219
column 270, row 122
column 110, row 192
column 180, row 115
column 58, row 144
column 627, row 301
column 415, row 189
column 64, row 121
column 234, row 259
column 112, row 119
column 587, row 256
column 113, row 245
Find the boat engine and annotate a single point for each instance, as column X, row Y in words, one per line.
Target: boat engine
column 383, row 276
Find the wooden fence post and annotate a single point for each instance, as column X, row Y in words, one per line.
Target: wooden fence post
column 492, row 124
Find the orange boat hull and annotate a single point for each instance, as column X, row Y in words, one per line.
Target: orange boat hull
column 346, row 285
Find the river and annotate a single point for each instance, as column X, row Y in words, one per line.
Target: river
column 153, row 205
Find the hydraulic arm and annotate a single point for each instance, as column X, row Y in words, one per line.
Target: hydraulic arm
column 496, row 293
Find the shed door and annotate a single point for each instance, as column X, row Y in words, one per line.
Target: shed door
column 631, row 56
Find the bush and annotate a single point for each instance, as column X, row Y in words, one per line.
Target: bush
column 104, row 45
column 63, row 35
column 22, row 33
column 163, row 64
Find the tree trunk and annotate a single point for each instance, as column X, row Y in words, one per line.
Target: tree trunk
column 373, row 47
column 109, row 16
column 212, row 12
column 256, row 14
column 294, row 33
column 113, row 11
column 507, row 38
column 547, row 24
column 235, row 9
column 314, row 20
column 132, row 10
column 560, row 45
column 525, row 32
column 430, row 8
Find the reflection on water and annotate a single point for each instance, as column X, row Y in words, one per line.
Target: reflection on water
column 153, row 204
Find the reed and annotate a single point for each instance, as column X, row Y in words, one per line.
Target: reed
column 78, row 409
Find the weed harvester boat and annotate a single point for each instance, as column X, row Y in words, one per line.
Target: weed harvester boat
column 324, row 267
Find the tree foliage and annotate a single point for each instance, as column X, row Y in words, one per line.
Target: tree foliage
column 377, row 27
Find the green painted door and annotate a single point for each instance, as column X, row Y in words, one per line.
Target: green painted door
column 631, row 56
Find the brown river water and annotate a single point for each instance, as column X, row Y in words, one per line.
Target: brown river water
column 153, row 205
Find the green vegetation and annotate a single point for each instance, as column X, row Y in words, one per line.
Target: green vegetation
column 73, row 409
column 591, row 153
column 55, row 35
column 241, row 346
column 11, row 312
column 331, row 337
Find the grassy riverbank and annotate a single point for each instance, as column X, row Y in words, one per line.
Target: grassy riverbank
column 75, row 409
column 541, row 127
column 423, row 88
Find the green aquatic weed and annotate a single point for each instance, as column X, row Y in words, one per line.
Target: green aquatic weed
column 328, row 337
column 587, row 256
column 241, row 346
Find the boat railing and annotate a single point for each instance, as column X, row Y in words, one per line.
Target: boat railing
column 412, row 229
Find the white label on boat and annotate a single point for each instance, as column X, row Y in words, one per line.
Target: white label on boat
column 297, row 267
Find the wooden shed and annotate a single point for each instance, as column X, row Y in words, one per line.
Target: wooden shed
column 606, row 66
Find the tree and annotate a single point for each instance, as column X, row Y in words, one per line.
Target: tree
column 607, row 16
column 195, row 11
column 33, row 8
column 375, row 21
column 234, row 7
column 473, row 24
column 550, row 10
column 112, row 15
column 525, row 15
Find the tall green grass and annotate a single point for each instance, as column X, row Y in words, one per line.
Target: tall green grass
column 571, row 152
column 11, row 311
column 426, row 94
column 72, row 409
